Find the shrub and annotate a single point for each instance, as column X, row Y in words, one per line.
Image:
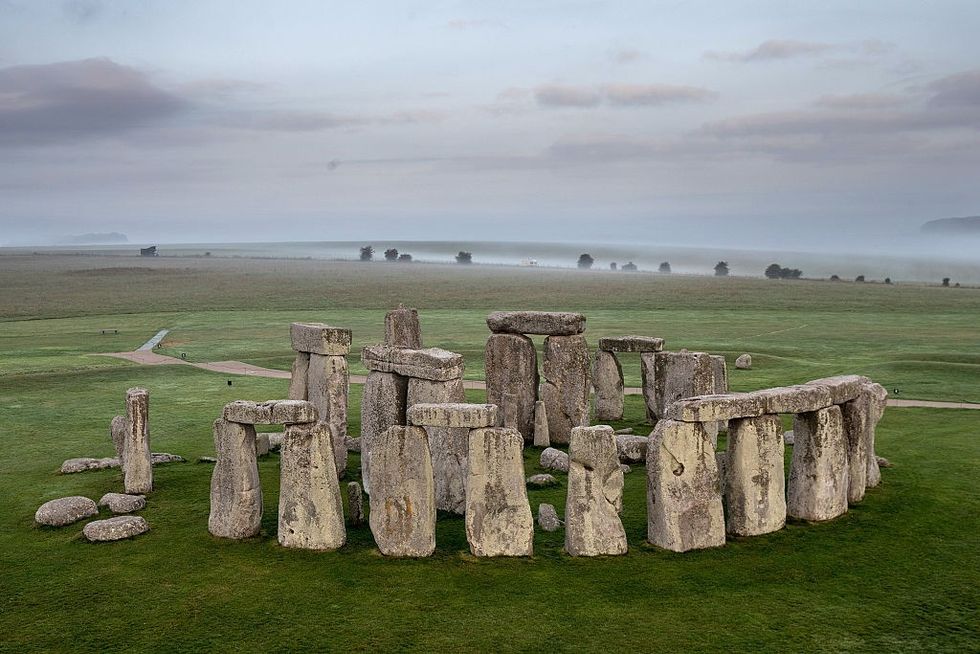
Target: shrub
column 775, row 271
column 859, row 279
column 612, row 266
column 888, row 280
column 664, row 267
column 946, row 281
column 367, row 253
column 585, row 261
column 834, row 278
column 391, row 254
column 404, row 257
column 464, row 257
column 721, row 269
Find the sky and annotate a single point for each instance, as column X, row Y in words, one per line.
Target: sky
column 771, row 123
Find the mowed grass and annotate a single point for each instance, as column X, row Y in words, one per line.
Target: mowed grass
column 899, row 572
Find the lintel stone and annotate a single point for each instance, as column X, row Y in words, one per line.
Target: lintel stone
column 452, row 414
column 432, row 363
column 631, row 344
column 546, row 323
column 318, row 338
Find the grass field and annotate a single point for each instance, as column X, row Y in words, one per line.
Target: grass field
column 899, row 572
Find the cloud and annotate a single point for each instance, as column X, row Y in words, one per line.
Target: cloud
column 774, row 49
column 78, row 99
column 463, row 24
column 960, row 90
column 861, row 101
column 556, row 95
column 655, row 94
column 316, row 121
column 82, row 11
column 627, row 55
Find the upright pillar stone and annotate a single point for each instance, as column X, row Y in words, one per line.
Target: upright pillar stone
column 595, row 494
column 382, row 406
column 541, row 436
column 817, row 487
column 856, row 423
column 498, row 515
column 679, row 375
column 684, row 508
column 512, row 378
column 297, row 380
column 311, row 513
column 137, row 465
column 118, row 429
column 755, row 483
column 236, row 494
column 448, row 445
column 648, row 374
column 328, row 384
column 879, row 400
column 607, row 379
column 403, row 502
column 565, row 390
column 402, row 328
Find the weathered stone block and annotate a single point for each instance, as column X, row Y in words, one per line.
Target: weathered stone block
column 402, row 328
column 709, row 408
column 122, row 503
column 631, row 344
column 117, row 432
column 632, row 448
column 382, row 406
column 647, row 377
column 679, row 375
column 136, row 463
column 744, row 362
column 879, row 400
column 607, row 380
column 236, row 493
column 498, row 515
column 548, row 518
column 595, row 494
column 461, row 415
column 431, row 363
column 553, row 459
column 720, row 371
column 817, row 487
column 547, row 323
column 755, row 484
column 65, row 510
column 328, row 387
column 541, row 436
column 511, row 365
column 297, row 379
column 292, row 412
column 117, row 528
column 795, row 399
column 249, row 413
column 842, row 388
column 311, row 513
column 318, row 338
column 355, row 503
column 856, row 423
column 567, row 383
column 448, row 445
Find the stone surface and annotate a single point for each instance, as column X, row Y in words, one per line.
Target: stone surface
column 548, row 518
column 631, row 448
column 856, row 423
column 328, row 384
column 470, row 416
column 595, row 494
column 801, row 398
column 297, row 379
column 402, row 328
column 293, row 412
column 842, row 388
column 817, row 486
column 631, row 344
column 789, row 438
column 541, row 436
column 355, row 503
column 624, row 430
column 754, row 480
column 625, row 468
column 403, row 501
column 117, row 528
column 884, row 463
column 607, row 380
column 879, row 399
column 157, row 458
column 236, row 493
column 261, row 444
column 311, row 513
column 709, row 408
column 720, row 370
column 353, row 444
column 206, row 459
column 553, row 459
column 744, row 362
column 498, row 516
column 117, row 433
column 511, row 371
column 136, row 463
column 122, row 503
column 547, row 323
column 447, row 444
column 679, row 375
column 318, row 338
column 382, row 406
column 565, row 390
column 82, row 464
column 647, row 376
column 684, row 507
column 431, row 363
column 248, row 412
column 275, row 441
column 543, row 480
column 65, row 510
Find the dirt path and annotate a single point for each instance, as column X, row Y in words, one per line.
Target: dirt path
column 247, row 369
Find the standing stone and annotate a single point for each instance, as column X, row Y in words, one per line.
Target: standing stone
column 382, row 406
column 117, row 432
column 720, row 372
column 678, row 375
column 879, row 399
column 595, row 494
column 297, row 380
column 607, row 379
column 236, row 493
column 684, row 509
column 548, row 518
column 311, row 515
column 744, row 362
column 856, row 423
column 402, row 328
column 327, row 387
column 447, row 444
column 566, row 388
column 261, row 444
column 647, row 377
column 403, row 500
column 355, row 503
column 137, row 466
column 754, row 480
column 512, row 378
column 541, row 436
column 498, row 515
column 817, row 487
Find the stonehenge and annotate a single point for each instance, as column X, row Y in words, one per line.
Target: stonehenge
column 595, row 494
column 818, row 486
column 136, row 463
column 117, row 528
column 311, row 513
column 754, row 481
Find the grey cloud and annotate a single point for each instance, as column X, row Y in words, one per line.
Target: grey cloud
column 556, row 95
column 472, row 23
column 315, row 121
column 78, row 99
column 82, row 11
column 654, row 94
column 861, row 101
column 960, row 90
column 627, row 55
column 774, row 49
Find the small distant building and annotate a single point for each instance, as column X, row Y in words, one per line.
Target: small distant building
column 148, row 252
column 529, row 262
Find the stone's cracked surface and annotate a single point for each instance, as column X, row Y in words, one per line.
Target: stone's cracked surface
column 607, row 380
column 631, row 448
column 122, row 503
column 117, row 432
column 553, row 459
column 270, row 412
column 453, row 414
column 498, row 516
column 402, row 328
column 878, row 401
column 297, row 378
column 117, row 528
column 631, row 344
column 541, row 436
column 328, row 383
column 65, row 510
column 754, row 480
column 595, row 494
column 842, row 388
column 545, row 323
column 136, row 462
column 382, row 407
column 448, row 445
column 817, row 486
column 236, row 492
column 355, row 503
column 318, row 338
column 710, row 408
column 511, row 371
column 680, row 375
column 565, row 391
column 548, row 518
column 311, row 513
column 802, row 398
column 431, row 363
column 403, row 500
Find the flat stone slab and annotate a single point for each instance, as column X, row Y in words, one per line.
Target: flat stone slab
column 432, row 363
column 118, row 528
column 270, row 412
column 708, row 408
column 65, row 510
column 472, row 416
column 631, row 344
column 843, row 388
column 546, row 323
column 542, row 480
column 123, row 503
column 802, row 398
column 87, row 463
column 318, row 338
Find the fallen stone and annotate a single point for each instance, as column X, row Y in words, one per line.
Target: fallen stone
column 64, row 511
column 318, row 338
column 236, row 492
column 158, row 458
column 431, row 363
column 261, row 444
column 470, row 416
column 542, row 481
column 311, row 513
column 744, row 362
column 548, row 518
column 817, row 486
column 448, row 445
column 541, row 436
column 353, row 444
column 275, row 441
column 565, row 390
column 553, row 459
column 117, row 528
column 382, row 406
column 402, row 328
column 87, row 463
column 117, row 432
column 626, row 430
column 297, row 379
column 631, row 448
column 884, row 463
column 547, row 323
column 498, row 516
column 355, row 503
column 754, row 482
column 328, row 384
column 607, row 380
column 136, row 462
column 403, row 500
column 789, row 438
column 710, row 408
column 122, row 503
column 595, row 494
column 631, row 344
column 511, row 371
column 206, row 459
column 625, row 468
column 802, row 398
column 842, row 388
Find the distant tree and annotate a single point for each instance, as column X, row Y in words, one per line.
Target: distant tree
column 946, row 281
column 956, row 285
column 792, row 273
column 612, row 266
column 629, row 267
column 585, row 261
column 664, row 267
column 859, row 279
column 367, row 253
column 391, row 254
column 888, row 280
column 721, row 269
column 207, row 254
column 834, row 278
column 464, row 257
column 774, row 271
column 404, row 257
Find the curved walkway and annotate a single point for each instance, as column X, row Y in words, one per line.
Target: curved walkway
column 239, row 368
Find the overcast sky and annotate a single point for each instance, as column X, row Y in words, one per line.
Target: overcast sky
column 769, row 121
